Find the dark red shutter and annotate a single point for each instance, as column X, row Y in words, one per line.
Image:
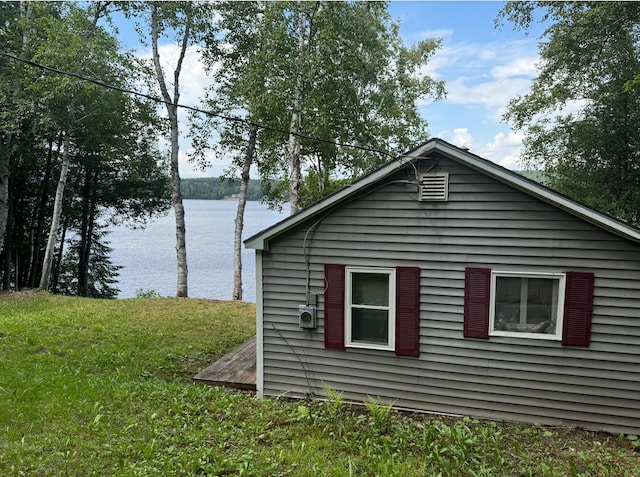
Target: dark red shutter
column 408, row 311
column 476, row 302
column 334, row 277
column 578, row 308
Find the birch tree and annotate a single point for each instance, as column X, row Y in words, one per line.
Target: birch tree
column 73, row 43
column 335, row 71
column 85, row 137
column 185, row 24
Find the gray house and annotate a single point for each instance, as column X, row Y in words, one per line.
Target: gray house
column 446, row 283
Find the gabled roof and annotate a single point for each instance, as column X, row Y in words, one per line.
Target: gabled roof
column 260, row 240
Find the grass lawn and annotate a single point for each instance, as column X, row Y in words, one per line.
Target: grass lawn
column 103, row 387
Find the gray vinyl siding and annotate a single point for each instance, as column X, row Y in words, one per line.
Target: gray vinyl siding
column 485, row 224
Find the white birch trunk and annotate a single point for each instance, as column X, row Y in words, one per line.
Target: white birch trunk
column 294, row 130
column 57, row 213
column 172, row 111
column 239, row 222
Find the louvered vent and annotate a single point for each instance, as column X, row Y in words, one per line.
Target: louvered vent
column 434, row 186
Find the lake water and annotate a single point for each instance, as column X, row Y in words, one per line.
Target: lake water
column 148, row 256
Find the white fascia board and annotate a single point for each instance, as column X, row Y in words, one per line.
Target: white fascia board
column 259, row 327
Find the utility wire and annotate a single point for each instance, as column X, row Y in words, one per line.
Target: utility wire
column 224, row 117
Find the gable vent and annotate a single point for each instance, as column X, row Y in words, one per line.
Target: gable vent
column 434, row 186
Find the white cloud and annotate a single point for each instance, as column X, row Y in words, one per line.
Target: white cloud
column 516, row 67
column 484, row 74
column 441, row 33
column 462, row 138
column 504, row 150
column 493, row 95
column 215, row 165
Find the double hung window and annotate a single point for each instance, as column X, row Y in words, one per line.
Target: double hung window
column 370, row 296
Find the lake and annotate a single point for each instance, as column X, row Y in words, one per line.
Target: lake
column 148, row 256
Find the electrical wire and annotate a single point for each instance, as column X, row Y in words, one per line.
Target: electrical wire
column 224, row 117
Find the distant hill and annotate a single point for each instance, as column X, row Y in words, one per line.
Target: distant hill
column 215, row 188
column 535, row 175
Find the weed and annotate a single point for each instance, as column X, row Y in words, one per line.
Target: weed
column 380, row 413
column 141, row 293
column 334, row 400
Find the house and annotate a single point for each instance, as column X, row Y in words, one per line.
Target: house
column 446, row 283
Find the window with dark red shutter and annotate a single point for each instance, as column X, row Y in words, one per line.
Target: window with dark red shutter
column 404, row 326
column 334, row 306
column 476, row 302
column 578, row 308
column 408, row 311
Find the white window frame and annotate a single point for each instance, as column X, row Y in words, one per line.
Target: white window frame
column 391, row 324
column 557, row 335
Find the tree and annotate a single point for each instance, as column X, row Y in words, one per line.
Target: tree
column 581, row 115
column 101, row 143
column 186, row 23
column 335, row 71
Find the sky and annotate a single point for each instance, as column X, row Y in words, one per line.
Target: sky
column 482, row 67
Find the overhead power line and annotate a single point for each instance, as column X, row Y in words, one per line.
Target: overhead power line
column 224, row 117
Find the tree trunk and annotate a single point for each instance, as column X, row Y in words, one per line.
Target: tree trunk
column 172, row 111
column 36, row 242
column 55, row 276
column 87, row 227
column 55, row 219
column 239, row 222
column 294, row 130
column 5, row 160
column 8, row 250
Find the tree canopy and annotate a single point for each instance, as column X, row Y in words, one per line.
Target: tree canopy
column 582, row 113
column 331, row 73
column 98, row 144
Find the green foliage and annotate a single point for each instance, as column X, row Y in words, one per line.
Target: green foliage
column 340, row 66
column 380, row 412
column 141, row 293
column 102, row 275
column 214, row 188
column 104, row 388
column 116, row 170
column 581, row 115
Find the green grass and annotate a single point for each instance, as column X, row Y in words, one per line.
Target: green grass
column 91, row 387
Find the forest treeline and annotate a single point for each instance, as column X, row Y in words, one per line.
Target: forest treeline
column 217, row 188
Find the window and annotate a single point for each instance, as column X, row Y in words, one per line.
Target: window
column 531, row 305
column 404, row 294
column 527, row 305
column 370, row 307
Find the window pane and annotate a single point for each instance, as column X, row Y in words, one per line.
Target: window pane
column 369, row 326
column 542, row 304
column 370, row 289
column 507, row 312
column 526, row 305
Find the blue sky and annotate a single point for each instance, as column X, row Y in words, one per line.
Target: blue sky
column 482, row 67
